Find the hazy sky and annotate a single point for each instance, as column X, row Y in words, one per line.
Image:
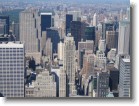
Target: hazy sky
column 93, row 1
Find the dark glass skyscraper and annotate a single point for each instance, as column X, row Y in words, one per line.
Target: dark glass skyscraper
column 69, row 18
column 89, row 34
column 77, row 31
column 46, row 21
column 55, row 39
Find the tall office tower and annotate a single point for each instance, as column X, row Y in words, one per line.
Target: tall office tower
column 29, row 32
column 107, row 26
column 114, row 79
column 5, row 24
column 12, row 69
column 46, row 21
column 124, row 35
column 48, row 49
column 15, row 30
column 124, row 79
column 82, row 46
column 95, row 20
column 102, row 84
column 45, row 86
column 55, row 38
column 76, row 15
column 112, row 54
column 111, row 39
column 69, row 18
column 60, row 50
column 121, row 15
column 69, row 62
column 101, row 60
column 102, row 45
column 89, row 33
column 77, row 31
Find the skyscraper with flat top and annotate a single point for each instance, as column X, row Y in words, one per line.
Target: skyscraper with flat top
column 46, row 21
column 29, row 30
column 124, row 78
column 69, row 62
column 124, row 35
column 12, row 69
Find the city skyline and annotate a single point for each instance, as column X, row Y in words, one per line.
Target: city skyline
column 68, row 50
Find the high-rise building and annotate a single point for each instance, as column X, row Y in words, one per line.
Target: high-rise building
column 124, row 35
column 55, row 38
column 46, row 21
column 95, row 20
column 12, row 69
column 69, row 62
column 102, row 84
column 125, row 77
column 29, row 31
column 89, row 33
column 69, row 18
column 111, row 39
column 60, row 50
column 77, row 31
column 82, row 46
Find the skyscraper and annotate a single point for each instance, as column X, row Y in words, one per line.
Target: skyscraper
column 102, row 84
column 55, row 38
column 29, row 33
column 60, row 50
column 111, row 39
column 95, row 20
column 77, row 31
column 28, row 30
column 12, row 69
column 124, row 78
column 46, row 21
column 89, row 33
column 124, row 35
column 69, row 62
column 82, row 46
column 69, row 18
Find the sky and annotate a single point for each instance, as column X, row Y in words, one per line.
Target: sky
column 93, row 1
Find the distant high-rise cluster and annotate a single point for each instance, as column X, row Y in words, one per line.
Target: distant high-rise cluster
column 66, row 51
